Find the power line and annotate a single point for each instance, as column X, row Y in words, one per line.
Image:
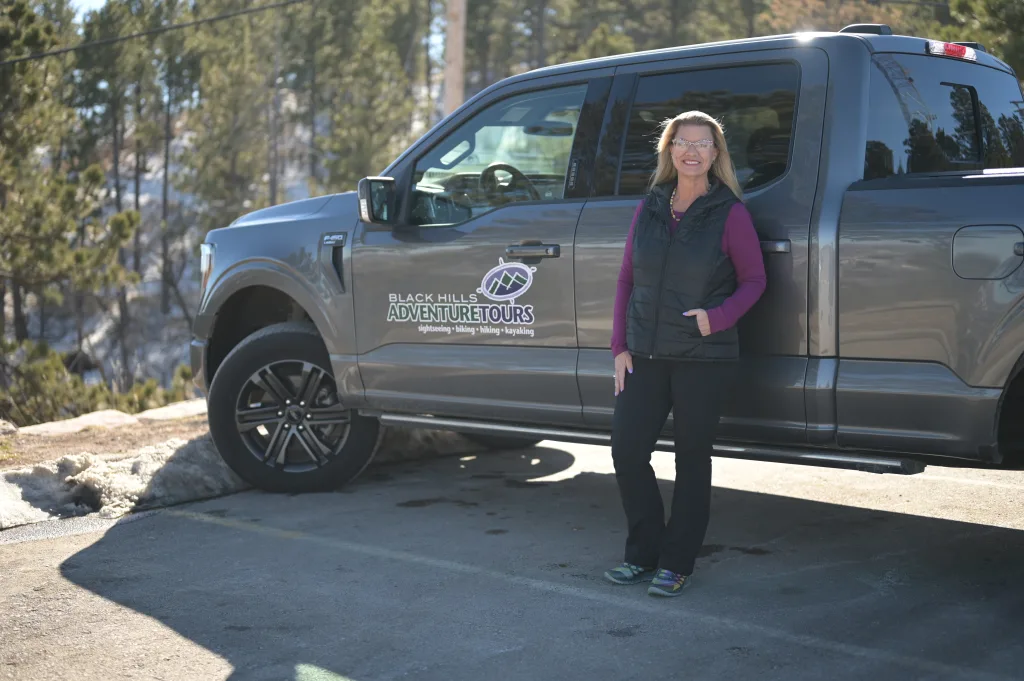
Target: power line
column 154, row 31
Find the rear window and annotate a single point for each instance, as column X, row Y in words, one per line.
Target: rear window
column 938, row 115
column 755, row 104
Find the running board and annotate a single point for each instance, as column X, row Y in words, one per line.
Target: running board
column 866, row 462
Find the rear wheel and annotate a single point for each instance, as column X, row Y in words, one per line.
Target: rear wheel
column 501, row 441
column 276, row 417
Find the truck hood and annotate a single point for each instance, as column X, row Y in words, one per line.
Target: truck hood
column 303, row 208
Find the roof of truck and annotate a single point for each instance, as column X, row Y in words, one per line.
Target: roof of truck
column 874, row 43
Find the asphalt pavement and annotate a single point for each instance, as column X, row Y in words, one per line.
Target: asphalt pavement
column 489, row 567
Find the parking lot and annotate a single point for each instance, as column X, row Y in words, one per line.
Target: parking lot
column 489, row 567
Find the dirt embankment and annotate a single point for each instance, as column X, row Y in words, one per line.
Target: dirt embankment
column 21, row 449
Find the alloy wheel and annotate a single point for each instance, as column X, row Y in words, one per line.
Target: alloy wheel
column 290, row 418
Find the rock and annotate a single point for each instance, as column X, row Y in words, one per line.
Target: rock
column 7, row 428
column 107, row 418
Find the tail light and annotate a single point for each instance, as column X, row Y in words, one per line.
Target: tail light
column 942, row 49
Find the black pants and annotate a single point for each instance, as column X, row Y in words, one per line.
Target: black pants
column 695, row 392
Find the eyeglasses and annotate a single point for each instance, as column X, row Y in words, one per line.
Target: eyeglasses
column 701, row 145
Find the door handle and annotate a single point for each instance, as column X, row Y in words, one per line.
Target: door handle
column 1018, row 248
column 775, row 246
column 533, row 251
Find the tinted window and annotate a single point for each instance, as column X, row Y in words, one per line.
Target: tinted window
column 530, row 135
column 933, row 115
column 755, row 105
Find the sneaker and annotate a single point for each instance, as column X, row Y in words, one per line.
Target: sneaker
column 668, row 583
column 627, row 573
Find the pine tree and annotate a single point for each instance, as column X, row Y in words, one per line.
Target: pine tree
column 178, row 73
column 54, row 236
column 24, row 125
column 998, row 24
column 145, row 104
column 105, row 90
column 372, row 110
column 226, row 164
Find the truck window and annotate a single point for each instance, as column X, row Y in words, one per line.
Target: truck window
column 755, row 105
column 937, row 115
column 530, row 134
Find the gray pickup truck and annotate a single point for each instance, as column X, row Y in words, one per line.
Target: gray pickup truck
column 470, row 287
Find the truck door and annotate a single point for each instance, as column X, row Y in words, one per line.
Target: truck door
column 771, row 109
column 465, row 307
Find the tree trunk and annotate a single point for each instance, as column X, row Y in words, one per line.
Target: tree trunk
column 427, row 67
column 122, row 293
column 673, row 22
column 20, row 324
column 454, row 56
column 80, row 296
column 165, row 259
column 182, row 303
column 3, row 282
column 3, row 308
column 409, row 58
column 139, row 164
column 313, row 42
column 274, row 113
column 750, row 14
column 115, row 117
column 539, row 23
column 42, row 315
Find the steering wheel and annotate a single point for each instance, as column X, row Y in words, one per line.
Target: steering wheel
column 495, row 191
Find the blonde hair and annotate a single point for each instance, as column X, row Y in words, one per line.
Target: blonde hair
column 722, row 168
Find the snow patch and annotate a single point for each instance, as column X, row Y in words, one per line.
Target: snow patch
column 176, row 410
column 169, row 473
column 105, row 418
column 173, row 472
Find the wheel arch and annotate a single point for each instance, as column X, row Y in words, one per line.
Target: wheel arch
column 255, row 295
column 1010, row 417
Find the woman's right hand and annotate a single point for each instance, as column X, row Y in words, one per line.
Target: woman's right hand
column 623, row 363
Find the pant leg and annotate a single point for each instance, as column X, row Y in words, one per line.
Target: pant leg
column 699, row 391
column 640, row 413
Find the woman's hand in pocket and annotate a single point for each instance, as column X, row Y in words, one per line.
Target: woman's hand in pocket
column 702, row 320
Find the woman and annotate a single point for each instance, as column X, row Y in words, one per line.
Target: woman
column 692, row 267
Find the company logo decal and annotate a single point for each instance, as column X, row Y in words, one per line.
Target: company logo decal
column 473, row 313
column 507, row 281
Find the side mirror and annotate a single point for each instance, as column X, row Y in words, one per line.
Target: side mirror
column 376, row 200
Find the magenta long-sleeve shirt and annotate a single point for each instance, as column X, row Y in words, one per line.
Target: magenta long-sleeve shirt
column 739, row 241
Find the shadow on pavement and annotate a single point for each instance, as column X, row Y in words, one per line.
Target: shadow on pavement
column 418, row 569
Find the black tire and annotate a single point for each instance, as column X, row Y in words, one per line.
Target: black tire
column 287, row 447
column 500, row 442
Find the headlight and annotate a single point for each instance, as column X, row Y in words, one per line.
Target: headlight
column 205, row 265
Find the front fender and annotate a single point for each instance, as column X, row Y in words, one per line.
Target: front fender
column 276, row 274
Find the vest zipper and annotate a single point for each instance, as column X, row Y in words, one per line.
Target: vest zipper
column 661, row 285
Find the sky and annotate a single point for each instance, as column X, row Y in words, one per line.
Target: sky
column 84, row 6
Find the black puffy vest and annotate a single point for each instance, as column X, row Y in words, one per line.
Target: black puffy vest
column 680, row 271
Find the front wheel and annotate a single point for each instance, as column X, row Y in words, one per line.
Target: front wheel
column 276, row 418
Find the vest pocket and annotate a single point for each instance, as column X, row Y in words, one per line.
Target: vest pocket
column 689, row 326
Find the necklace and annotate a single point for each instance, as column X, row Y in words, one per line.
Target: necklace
column 672, row 203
